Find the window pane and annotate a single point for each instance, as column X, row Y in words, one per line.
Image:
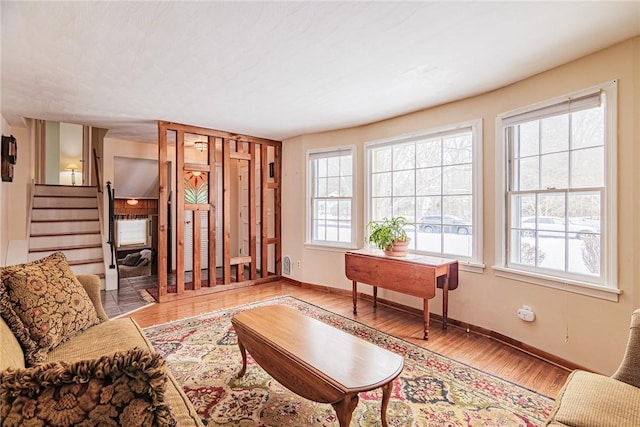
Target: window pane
column 457, row 150
column 332, row 209
column 321, row 187
column 333, row 166
column 587, row 167
column 429, row 205
column 555, row 134
column 587, row 128
column 322, row 167
column 523, row 207
column 457, row 243
column 344, row 223
column 551, row 250
column 406, row 207
column 429, row 240
column 527, row 174
column 346, row 183
column 381, row 160
column 584, row 210
column 428, row 181
column 553, row 170
column 551, row 205
column 381, row 208
column 529, row 141
column 319, row 209
column 382, row 184
column 428, row 153
column 404, row 157
column 319, row 230
column 458, row 207
column 523, row 244
column 344, row 210
column 588, row 260
column 346, row 165
column 333, row 187
column 457, row 179
column 403, row 183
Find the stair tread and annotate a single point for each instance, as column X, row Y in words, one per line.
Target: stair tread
column 66, row 196
column 64, row 248
column 61, row 185
column 68, row 233
column 66, row 220
column 49, row 208
column 85, row 261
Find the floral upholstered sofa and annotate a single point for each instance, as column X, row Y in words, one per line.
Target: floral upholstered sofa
column 63, row 362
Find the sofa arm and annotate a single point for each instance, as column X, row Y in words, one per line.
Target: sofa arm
column 629, row 369
column 91, row 284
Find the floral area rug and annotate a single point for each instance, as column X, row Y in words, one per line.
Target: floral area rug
column 432, row 390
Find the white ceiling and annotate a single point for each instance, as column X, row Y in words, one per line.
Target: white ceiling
column 280, row 69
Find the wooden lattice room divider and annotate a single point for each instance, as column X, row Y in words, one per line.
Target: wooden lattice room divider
column 225, row 204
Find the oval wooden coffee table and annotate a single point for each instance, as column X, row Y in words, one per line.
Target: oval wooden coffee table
column 315, row 360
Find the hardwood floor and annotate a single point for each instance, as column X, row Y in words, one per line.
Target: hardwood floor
column 479, row 351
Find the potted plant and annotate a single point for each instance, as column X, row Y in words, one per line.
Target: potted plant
column 389, row 235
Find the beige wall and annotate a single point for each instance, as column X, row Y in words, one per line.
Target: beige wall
column 14, row 195
column 568, row 325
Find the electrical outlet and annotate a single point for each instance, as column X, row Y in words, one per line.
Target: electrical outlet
column 526, row 313
column 298, row 264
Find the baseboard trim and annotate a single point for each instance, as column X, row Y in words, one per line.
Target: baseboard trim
column 519, row 345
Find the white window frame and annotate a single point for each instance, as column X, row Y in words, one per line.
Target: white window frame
column 475, row 262
column 608, row 289
column 325, row 244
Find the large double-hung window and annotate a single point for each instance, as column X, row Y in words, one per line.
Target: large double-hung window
column 559, row 206
column 331, row 187
column 433, row 179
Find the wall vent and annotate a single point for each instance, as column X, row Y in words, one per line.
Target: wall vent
column 286, row 265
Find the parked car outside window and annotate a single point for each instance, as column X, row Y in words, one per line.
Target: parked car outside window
column 450, row 223
column 552, row 225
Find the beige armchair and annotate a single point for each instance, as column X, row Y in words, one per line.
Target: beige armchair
column 592, row 400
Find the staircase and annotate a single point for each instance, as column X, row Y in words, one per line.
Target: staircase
column 66, row 218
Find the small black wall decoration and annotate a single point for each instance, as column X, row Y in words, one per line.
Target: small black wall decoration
column 8, row 158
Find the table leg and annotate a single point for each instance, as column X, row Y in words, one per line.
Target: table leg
column 386, row 395
column 375, row 296
column 355, row 296
column 426, row 319
column 344, row 409
column 445, row 298
column 243, row 351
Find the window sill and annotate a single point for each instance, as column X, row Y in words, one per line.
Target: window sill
column 471, row 267
column 573, row 286
column 330, row 248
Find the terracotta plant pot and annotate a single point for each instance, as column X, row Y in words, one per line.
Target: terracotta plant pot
column 399, row 248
